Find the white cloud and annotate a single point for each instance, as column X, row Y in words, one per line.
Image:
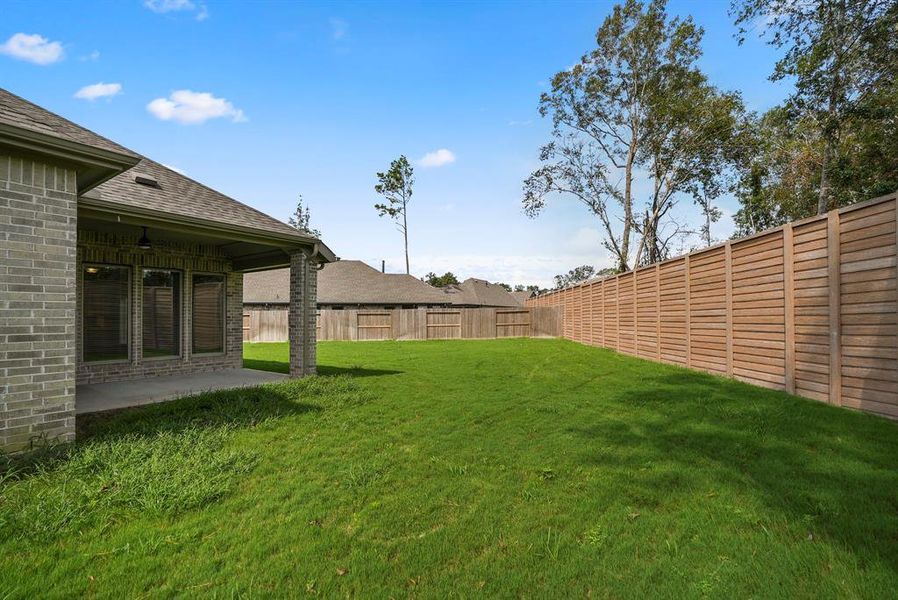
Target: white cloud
column 166, row 6
column 92, row 57
column 339, row 29
column 33, row 48
column 193, row 108
column 99, row 90
column 520, row 123
column 437, row 158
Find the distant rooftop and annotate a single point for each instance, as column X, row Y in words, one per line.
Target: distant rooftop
column 479, row 292
column 352, row 282
column 345, row 282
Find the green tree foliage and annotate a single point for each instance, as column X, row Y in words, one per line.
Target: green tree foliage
column 574, row 276
column 831, row 138
column 447, row 278
column 301, row 219
column 527, row 288
column 635, row 103
column 395, row 185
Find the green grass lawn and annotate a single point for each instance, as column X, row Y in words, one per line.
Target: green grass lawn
column 532, row 468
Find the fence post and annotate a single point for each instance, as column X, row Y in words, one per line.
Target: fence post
column 603, row 314
column 835, row 317
column 617, row 309
column 635, row 314
column 688, row 318
column 789, row 305
column 658, row 311
column 728, row 290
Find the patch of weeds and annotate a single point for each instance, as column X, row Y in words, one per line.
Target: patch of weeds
column 595, row 537
column 360, row 476
column 99, row 480
column 454, row 469
column 547, row 474
column 551, row 544
column 339, row 391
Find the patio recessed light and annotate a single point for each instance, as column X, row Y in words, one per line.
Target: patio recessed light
column 144, row 242
column 92, row 270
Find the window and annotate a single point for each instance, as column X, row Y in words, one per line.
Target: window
column 208, row 313
column 105, row 313
column 161, row 313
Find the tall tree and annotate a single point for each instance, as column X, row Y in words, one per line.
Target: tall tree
column 694, row 130
column 395, row 185
column 301, row 218
column 840, row 53
column 778, row 171
column 625, row 107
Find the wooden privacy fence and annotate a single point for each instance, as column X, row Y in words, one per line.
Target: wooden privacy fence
column 410, row 324
column 810, row 307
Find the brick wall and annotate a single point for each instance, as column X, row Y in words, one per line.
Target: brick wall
column 38, row 214
column 185, row 257
column 302, row 318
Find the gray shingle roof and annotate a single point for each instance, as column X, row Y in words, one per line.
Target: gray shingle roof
column 478, row 292
column 346, row 282
column 176, row 194
column 18, row 112
column 180, row 195
column 522, row 297
column 268, row 287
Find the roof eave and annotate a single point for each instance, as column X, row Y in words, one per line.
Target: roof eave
column 183, row 222
column 93, row 165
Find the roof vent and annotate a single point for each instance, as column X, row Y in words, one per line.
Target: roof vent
column 147, row 180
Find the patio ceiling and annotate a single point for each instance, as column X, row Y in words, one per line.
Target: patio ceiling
column 248, row 250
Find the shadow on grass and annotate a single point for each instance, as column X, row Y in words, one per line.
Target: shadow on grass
column 277, row 366
column 329, row 371
column 243, row 407
column 828, row 472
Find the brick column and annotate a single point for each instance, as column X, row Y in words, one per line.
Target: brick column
column 38, row 219
column 302, row 315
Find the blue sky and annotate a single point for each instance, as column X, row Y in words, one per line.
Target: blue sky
column 314, row 98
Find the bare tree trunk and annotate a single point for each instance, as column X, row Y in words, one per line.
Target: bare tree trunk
column 624, row 257
column 405, row 236
column 823, row 197
column 823, row 200
column 707, row 232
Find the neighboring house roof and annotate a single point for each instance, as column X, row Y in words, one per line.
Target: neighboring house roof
column 478, row 292
column 522, row 296
column 164, row 195
column 349, row 282
column 267, row 287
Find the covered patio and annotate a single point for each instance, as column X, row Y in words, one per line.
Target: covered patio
column 98, row 397
column 123, row 278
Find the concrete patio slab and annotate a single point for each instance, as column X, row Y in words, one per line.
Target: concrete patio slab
column 98, row 397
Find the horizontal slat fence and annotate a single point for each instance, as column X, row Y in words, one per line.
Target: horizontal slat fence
column 810, row 308
column 410, row 324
